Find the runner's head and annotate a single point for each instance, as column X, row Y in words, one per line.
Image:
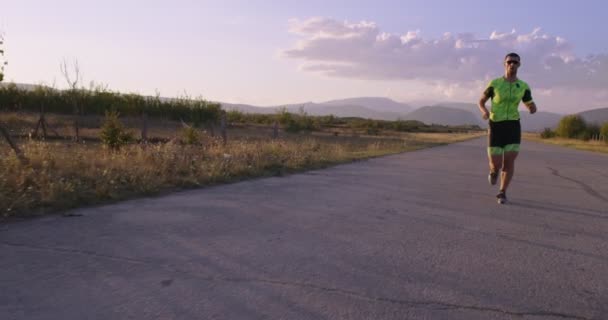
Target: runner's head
column 512, row 63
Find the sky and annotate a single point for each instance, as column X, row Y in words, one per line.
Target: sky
column 270, row 53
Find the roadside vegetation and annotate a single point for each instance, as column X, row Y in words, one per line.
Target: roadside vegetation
column 77, row 147
column 574, row 132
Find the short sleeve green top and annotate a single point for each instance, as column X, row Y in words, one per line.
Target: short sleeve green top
column 505, row 97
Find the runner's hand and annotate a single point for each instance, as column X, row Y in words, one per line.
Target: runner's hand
column 485, row 115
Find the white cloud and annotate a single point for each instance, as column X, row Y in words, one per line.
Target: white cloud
column 361, row 51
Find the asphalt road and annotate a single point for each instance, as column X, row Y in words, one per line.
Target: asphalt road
column 417, row 235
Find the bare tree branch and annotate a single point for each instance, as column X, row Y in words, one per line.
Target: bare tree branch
column 71, row 73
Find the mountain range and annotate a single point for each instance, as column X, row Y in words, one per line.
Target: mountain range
column 595, row 116
column 444, row 113
column 365, row 107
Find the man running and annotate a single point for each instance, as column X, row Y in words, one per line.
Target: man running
column 504, row 133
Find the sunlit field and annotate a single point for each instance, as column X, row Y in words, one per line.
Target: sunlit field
column 61, row 174
column 591, row 145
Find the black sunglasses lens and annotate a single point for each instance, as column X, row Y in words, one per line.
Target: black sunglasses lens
column 512, row 62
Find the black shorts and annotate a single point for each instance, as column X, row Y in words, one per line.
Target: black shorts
column 504, row 134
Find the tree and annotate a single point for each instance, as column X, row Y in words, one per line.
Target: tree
column 604, row 132
column 113, row 134
column 590, row 132
column 547, row 133
column 3, row 130
column 43, row 93
column 3, row 63
column 571, row 126
column 71, row 74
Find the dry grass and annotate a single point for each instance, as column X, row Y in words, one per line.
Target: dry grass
column 62, row 174
column 442, row 138
column 596, row 146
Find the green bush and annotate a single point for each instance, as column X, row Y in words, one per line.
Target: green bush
column 590, row 132
column 288, row 121
column 373, row 127
column 235, row 116
column 373, row 131
column 190, row 135
column 604, row 132
column 326, row 121
column 113, row 133
column 407, row 125
column 296, row 122
column 547, row 133
column 571, row 126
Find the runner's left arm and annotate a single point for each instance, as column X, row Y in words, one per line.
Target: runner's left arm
column 528, row 101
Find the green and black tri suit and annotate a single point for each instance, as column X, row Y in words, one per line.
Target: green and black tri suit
column 505, row 129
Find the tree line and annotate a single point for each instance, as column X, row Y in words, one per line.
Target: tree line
column 575, row 127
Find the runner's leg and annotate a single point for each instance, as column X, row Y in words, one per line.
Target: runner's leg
column 508, row 169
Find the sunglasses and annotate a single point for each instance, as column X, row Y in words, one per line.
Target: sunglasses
column 512, row 62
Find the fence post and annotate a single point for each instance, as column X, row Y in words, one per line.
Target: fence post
column 210, row 128
column 275, row 130
column 41, row 123
column 223, row 126
column 144, row 130
column 76, row 115
column 18, row 152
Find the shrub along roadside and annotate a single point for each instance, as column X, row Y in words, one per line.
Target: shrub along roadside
column 575, row 127
column 113, row 133
column 604, row 131
column 96, row 101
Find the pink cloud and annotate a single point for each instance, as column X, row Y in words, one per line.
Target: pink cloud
column 361, row 51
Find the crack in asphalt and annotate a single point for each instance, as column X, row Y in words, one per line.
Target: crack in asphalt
column 585, row 187
column 413, row 303
column 77, row 251
column 436, row 305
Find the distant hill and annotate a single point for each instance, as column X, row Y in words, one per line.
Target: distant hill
column 246, row 108
column 538, row 121
column 465, row 106
column 319, row 109
column 595, row 116
column 472, row 107
column 22, row 86
column 367, row 107
column 444, row 116
column 534, row 123
column 373, row 103
column 347, row 111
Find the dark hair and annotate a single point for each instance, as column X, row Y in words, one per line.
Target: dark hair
column 513, row 55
